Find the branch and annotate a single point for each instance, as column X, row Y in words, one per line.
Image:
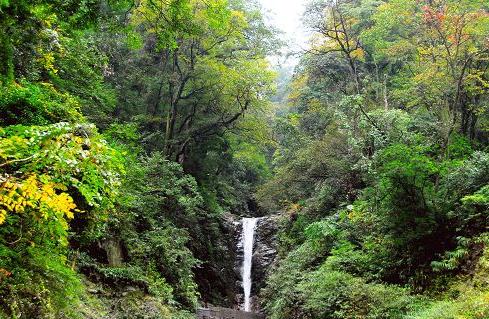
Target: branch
column 17, row 160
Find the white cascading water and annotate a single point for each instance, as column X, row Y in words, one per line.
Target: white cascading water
column 247, row 241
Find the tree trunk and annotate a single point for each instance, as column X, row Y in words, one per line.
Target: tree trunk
column 8, row 58
column 172, row 110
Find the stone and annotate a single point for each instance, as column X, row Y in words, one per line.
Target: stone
column 226, row 313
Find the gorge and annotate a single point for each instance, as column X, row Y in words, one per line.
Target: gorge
column 163, row 156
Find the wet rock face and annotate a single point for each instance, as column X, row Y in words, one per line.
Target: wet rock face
column 238, row 264
column 265, row 250
column 216, row 276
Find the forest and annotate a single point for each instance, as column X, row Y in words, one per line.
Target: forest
column 135, row 134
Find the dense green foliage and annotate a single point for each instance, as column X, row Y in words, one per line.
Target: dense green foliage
column 382, row 164
column 122, row 217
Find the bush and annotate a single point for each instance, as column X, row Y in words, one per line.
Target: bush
column 36, row 282
column 36, row 104
column 157, row 202
column 329, row 294
column 280, row 294
column 48, row 174
column 466, row 298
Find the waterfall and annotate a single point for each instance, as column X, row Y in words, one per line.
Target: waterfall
column 247, row 240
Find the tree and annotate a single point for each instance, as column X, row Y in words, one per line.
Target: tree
column 206, row 82
column 445, row 54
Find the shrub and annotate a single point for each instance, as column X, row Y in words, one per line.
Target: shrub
column 329, row 294
column 36, row 104
column 48, row 174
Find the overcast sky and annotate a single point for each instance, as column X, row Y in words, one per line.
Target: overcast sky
column 286, row 15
